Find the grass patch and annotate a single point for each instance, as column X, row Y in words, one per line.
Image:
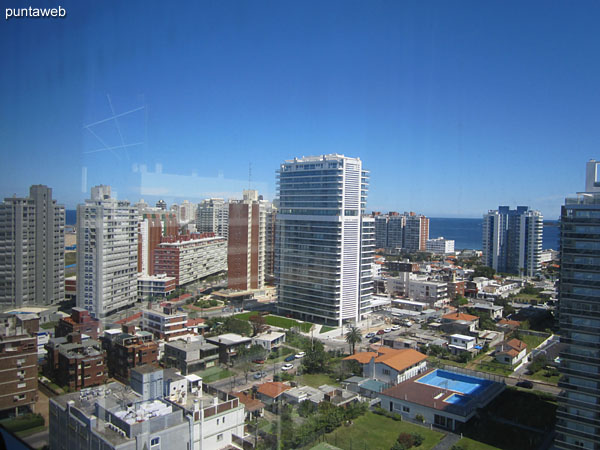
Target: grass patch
column 541, row 376
column 214, row 374
column 531, row 341
column 492, row 366
column 23, row 423
column 277, row 321
column 470, row 444
column 30, row 431
column 48, row 325
column 325, row 329
column 372, row 431
column 316, row 379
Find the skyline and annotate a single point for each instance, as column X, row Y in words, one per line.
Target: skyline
column 414, row 90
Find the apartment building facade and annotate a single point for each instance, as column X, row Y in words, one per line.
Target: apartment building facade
column 212, row 216
column 107, row 253
column 32, row 244
column 324, row 245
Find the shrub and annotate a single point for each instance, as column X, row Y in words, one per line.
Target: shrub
column 420, row 418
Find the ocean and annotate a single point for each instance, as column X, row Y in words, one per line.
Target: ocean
column 465, row 232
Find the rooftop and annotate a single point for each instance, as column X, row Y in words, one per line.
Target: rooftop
column 273, row 389
column 397, row 359
column 229, row 339
column 460, row 316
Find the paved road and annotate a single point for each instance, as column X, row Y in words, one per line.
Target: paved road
column 238, row 381
column 37, row 440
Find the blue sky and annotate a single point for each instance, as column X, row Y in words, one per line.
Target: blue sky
column 455, row 107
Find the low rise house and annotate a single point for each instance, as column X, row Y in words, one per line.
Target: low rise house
column 303, row 393
column 494, row 312
column 191, row 355
column 511, row 352
column 128, row 349
column 457, row 322
column 229, row 346
column 253, row 407
column 460, row 343
column 271, row 392
column 270, row 341
column 365, row 387
column 390, row 365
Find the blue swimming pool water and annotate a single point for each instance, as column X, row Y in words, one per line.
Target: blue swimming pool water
column 457, row 399
column 454, row 381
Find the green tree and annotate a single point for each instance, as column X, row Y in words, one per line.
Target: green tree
column 233, row 325
column 484, row 271
column 353, row 337
column 316, row 359
column 258, row 324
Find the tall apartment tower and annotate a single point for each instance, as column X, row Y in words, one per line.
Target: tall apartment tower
column 270, row 233
column 246, row 243
column 578, row 413
column 389, row 230
column 324, row 246
column 212, row 216
column 32, row 250
column 512, row 240
column 107, row 253
column 416, row 232
column 153, row 226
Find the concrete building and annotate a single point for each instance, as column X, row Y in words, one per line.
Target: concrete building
column 32, row 245
column 18, row 363
column 511, row 352
column 191, row 355
column 433, row 292
column 416, row 233
column 578, row 413
column 115, row 417
column 247, row 243
column 440, row 246
column 512, row 240
column 188, row 258
column 212, row 216
column 155, row 286
column 270, row 230
column 229, row 345
column 168, row 324
column 270, row 341
column 460, row 343
column 389, row 230
column 325, row 246
column 107, row 254
column 153, row 226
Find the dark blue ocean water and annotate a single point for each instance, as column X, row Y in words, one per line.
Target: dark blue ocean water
column 467, row 232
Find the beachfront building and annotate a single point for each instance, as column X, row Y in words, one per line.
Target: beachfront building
column 512, row 240
column 578, row 413
column 324, row 245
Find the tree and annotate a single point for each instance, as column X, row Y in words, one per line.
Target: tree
column 459, row 301
column 258, row 324
column 484, row 271
column 353, row 337
column 316, row 359
column 233, row 325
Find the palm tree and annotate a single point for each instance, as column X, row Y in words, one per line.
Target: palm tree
column 353, row 337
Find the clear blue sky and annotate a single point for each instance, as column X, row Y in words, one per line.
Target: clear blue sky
column 455, row 107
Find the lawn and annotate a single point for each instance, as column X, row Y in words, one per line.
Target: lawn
column 540, row 376
column 214, row 374
column 325, row 329
column 277, row 321
column 490, row 365
column 23, row 423
column 316, row 379
column 372, row 431
column 470, row 444
column 531, row 341
column 48, row 325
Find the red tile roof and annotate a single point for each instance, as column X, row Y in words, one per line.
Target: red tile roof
column 397, row 359
column 251, row 404
column 460, row 316
column 273, row 389
column 129, row 319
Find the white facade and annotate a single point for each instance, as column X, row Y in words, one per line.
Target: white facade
column 440, row 246
column 460, row 343
column 107, row 238
column 324, row 245
column 32, row 245
column 212, row 216
column 270, row 340
column 432, row 292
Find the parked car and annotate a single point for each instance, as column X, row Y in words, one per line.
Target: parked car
column 395, row 327
column 300, row 355
column 290, row 358
column 287, row 367
column 258, row 361
column 380, row 332
column 525, row 384
column 259, row 375
column 369, row 335
column 375, row 339
column 387, row 330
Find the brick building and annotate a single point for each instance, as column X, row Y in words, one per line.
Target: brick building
column 127, row 349
column 167, row 324
column 75, row 363
column 18, row 363
column 81, row 322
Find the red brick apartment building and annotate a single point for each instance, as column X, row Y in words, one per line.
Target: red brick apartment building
column 127, row 350
column 75, row 363
column 18, row 363
column 80, row 322
column 245, row 261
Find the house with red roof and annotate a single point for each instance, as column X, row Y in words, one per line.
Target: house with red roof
column 271, row 392
column 391, row 366
column 511, row 352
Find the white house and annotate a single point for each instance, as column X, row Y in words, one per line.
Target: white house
column 269, row 341
column 460, row 343
column 511, row 352
column 390, row 365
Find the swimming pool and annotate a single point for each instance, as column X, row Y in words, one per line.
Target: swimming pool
column 457, row 399
column 457, row 382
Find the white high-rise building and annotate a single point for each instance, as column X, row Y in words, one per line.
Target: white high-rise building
column 107, row 253
column 512, row 240
column 212, row 216
column 324, row 245
column 32, row 250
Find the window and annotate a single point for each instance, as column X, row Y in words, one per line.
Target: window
column 405, row 409
column 155, row 443
column 219, row 437
column 21, row 385
column 386, row 371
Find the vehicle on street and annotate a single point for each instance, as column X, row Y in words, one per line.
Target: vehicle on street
column 375, row 339
column 259, row 375
column 387, row 330
column 258, row 361
column 369, row 335
column 395, row 327
column 380, row 332
column 525, row 384
column 300, row 355
column 290, row 358
column 287, row 367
